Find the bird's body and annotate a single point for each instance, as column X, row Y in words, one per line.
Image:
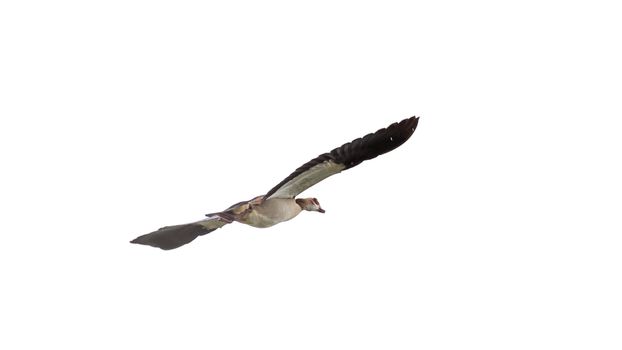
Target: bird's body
column 271, row 212
column 280, row 203
column 264, row 213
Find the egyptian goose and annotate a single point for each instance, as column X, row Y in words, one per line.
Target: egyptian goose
column 280, row 203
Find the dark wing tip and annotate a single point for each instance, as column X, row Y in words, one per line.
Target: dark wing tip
column 171, row 237
column 374, row 144
column 155, row 242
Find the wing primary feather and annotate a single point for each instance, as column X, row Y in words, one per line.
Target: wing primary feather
column 171, row 237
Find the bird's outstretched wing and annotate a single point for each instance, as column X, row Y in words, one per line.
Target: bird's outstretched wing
column 171, row 237
column 345, row 157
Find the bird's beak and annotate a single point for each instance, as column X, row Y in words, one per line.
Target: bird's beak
column 321, row 210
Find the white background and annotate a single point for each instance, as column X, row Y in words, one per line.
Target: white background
column 497, row 226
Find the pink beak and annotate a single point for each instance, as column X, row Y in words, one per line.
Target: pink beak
column 321, row 210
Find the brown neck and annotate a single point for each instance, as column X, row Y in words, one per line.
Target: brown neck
column 300, row 202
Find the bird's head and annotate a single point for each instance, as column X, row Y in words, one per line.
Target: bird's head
column 310, row 204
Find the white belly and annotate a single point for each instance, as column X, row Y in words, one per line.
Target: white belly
column 272, row 212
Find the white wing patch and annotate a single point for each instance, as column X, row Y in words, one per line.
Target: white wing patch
column 307, row 179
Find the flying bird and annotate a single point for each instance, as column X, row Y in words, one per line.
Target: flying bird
column 280, row 203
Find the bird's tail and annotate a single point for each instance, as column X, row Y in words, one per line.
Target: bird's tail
column 171, row 237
